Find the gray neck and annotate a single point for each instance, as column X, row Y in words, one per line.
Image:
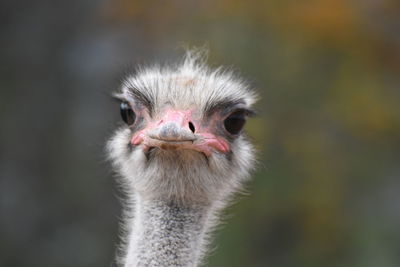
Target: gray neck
column 164, row 234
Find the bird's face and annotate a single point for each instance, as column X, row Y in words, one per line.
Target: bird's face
column 182, row 138
column 184, row 129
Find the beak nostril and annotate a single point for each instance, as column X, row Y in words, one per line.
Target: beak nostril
column 191, row 126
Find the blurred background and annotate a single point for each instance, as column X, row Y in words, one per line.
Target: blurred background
column 327, row 189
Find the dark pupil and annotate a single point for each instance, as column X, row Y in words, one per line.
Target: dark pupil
column 235, row 122
column 127, row 114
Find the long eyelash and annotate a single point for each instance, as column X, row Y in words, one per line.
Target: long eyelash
column 137, row 96
column 142, row 98
column 250, row 112
column 220, row 105
column 229, row 107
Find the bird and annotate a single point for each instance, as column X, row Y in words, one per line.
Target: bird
column 181, row 156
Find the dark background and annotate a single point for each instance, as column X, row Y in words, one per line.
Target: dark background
column 327, row 189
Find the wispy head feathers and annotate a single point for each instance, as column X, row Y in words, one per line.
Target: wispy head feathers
column 191, row 83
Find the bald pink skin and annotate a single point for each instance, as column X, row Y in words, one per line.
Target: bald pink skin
column 158, row 134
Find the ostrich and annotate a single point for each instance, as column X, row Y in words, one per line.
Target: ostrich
column 181, row 155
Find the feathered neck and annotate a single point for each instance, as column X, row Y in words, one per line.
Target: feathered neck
column 166, row 234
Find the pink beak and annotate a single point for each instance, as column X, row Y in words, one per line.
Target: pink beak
column 175, row 126
column 177, row 130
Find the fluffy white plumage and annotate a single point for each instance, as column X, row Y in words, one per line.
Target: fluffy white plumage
column 175, row 195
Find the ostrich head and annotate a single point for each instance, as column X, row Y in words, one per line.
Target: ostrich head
column 182, row 136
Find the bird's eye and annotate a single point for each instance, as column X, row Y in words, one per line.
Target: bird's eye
column 127, row 114
column 234, row 123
